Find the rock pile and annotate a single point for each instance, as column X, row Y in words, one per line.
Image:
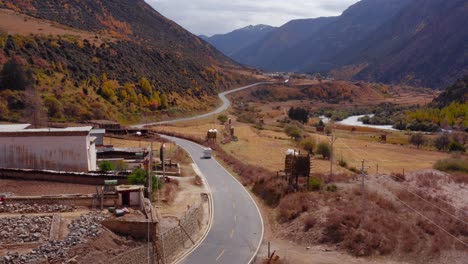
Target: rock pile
column 24, row 229
column 87, row 226
column 35, row 208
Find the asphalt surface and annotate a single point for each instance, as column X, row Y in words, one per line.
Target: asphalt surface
column 237, row 227
column 223, row 107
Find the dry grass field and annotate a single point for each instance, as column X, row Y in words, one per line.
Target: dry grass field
column 267, row 148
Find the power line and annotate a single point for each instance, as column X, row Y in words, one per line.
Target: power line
column 428, row 219
column 427, row 201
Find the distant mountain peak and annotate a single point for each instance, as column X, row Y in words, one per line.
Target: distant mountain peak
column 259, row 27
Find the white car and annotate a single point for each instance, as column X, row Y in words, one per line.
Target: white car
column 207, row 153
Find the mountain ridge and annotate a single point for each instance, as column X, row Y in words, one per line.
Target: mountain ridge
column 147, row 64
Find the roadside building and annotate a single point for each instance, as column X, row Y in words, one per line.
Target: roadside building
column 99, row 135
column 130, row 195
column 58, row 149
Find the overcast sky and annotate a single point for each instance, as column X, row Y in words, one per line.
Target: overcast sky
column 210, row 17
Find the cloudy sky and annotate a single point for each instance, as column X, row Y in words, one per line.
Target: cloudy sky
column 221, row 16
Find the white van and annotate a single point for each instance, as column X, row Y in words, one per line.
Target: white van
column 207, row 153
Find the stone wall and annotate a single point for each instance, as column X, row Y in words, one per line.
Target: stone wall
column 82, row 200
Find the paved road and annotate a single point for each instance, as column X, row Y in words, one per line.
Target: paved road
column 237, row 228
column 222, row 96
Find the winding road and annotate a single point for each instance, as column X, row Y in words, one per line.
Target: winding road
column 237, row 227
column 223, row 107
column 236, row 230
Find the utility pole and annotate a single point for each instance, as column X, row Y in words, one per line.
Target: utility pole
column 363, row 196
column 377, row 169
column 332, row 142
column 150, row 176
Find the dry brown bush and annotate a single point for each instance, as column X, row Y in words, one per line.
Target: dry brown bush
column 459, row 177
column 398, row 177
column 309, row 222
column 197, row 180
column 292, row 205
column 170, row 191
column 428, row 180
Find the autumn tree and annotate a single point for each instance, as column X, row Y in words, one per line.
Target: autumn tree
column 35, row 112
column 164, row 101
column 14, row 76
column 145, row 87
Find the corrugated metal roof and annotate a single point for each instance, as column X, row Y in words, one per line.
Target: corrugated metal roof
column 13, row 127
column 21, row 129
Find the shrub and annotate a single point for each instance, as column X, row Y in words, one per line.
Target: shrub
column 308, row 144
column 309, row 222
column 323, row 148
column 293, row 131
column 223, row 119
column 137, row 177
column 292, row 206
column 315, row 184
column 106, row 166
column 343, row 163
column 452, row 164
column 331, row 188
column 442, row 142
column 417, row 139
column 455, row 147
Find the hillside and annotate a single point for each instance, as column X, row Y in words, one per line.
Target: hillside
column 424, row 45
column 106, row 59
column 313, row 41
column 416, row 42
column 458, row 92
column 273, row 50
column 236, row 40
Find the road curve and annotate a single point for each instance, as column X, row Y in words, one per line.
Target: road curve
column 223, row 107
column 237, row 228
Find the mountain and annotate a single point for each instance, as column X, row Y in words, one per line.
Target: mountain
column 272, row 52
column 425, row 45
column 458, row 92
column 311, row 42
column 416, row 42
column 105, row 59
column 236, row 40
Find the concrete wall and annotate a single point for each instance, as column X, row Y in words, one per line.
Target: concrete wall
column 67, row 177
column 176, row 239
column 56, row 152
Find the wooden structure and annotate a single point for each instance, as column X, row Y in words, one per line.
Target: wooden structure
column 297, row 165
column 383, row 137
column 211, row 135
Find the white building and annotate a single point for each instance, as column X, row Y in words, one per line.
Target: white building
column 59, row 149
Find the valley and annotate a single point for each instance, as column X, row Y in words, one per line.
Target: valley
column 305, row 132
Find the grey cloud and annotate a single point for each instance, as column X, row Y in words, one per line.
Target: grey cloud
column 213, row 16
